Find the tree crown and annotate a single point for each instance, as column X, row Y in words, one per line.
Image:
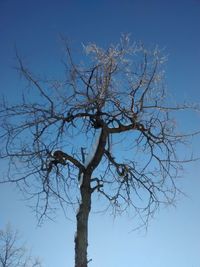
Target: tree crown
column 116, row 102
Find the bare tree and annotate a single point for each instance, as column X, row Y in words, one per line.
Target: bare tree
column 106, row 129
column 12, row 253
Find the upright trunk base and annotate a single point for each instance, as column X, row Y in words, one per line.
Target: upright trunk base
column 81, row 239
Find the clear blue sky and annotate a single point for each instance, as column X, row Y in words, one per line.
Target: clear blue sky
column 173, row 238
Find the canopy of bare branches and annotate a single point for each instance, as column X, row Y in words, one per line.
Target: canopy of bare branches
column 116, row 103
column 12, row 253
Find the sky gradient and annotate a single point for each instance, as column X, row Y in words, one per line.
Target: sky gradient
column 173, row 237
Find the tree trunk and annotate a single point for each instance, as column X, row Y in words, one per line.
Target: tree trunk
column 81, row 239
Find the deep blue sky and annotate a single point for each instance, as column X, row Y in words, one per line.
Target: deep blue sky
column 173, row 238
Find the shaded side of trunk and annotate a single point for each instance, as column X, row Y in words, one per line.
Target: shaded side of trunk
column 81, row 239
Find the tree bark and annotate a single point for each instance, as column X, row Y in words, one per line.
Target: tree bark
column 81, row 238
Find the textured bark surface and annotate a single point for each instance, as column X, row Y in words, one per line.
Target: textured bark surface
column 81, row 239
